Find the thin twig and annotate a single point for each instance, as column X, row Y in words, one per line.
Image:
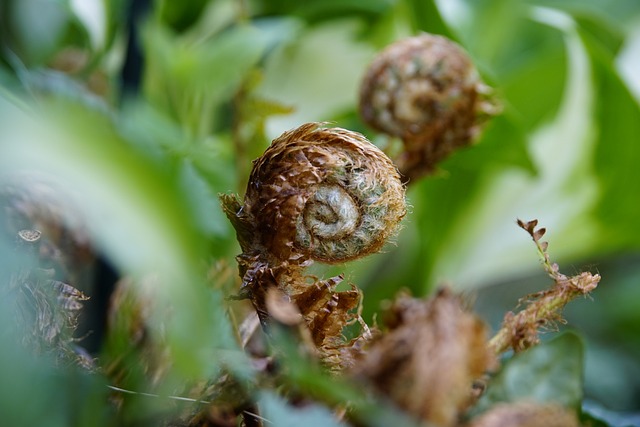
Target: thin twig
column 520, row 331
column 141, row 393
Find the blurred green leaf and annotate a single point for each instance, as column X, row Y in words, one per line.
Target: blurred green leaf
column 317, row 73
column 499, row 22
column 204, row 202
column 534, row 75
column 319, row 10
column 502, row 144
column 191, row 78
column 613, row 13
column 57, row 396
column 303, row 374
column 617, row 119
column 181, row 15
column 115, row 14
column 135, row 212
column 279, row 413
column 34, row 29
column 551, row 372
column 610, row 38
column 201, row 168
column 595, row 415
column 426, row 16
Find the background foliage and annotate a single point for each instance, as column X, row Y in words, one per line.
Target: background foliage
column 143, row 157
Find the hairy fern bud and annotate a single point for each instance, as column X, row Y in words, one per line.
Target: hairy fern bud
column 325, row 194
column 426, row 91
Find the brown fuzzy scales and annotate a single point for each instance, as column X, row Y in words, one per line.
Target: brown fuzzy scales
column 426, row 91
column 323, row 194
column 428, row 360
column 349, row 172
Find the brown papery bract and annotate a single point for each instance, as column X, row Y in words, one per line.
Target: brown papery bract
column 428, row 360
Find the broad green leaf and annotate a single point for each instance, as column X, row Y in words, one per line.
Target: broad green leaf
column 318, row 73
column 34, row 29
column 181, row 15
column 595, row 415
column 613, row 13
column 204, row 202
column 499, row 22
column 610, row 38
column 550, row 372
column 615, row 160
column 427, row 17
column 153, row 133
column 532, row 74
column 278, row 412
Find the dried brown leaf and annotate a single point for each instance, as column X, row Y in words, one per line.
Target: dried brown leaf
column 428, row 362
column 537, row 235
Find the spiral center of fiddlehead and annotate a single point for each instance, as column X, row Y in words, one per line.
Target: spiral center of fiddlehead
column 331, row 213
column 322, row 194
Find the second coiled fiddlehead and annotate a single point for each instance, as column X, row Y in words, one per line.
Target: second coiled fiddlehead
column 426, row 91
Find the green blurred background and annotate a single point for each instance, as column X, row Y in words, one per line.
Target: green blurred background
column 144, row 111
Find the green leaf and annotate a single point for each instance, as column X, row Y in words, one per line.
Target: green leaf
column 136, row 213
column 279, row 413
column 595, row 415
column 317, row 73
column 617, row 154
column 613, row 13
column 502, row 144
column 58, row 396
column 34, row 29
column 303, row 374
column 181, row 15
column 532, row 74
column 191, row 78
column 320, row 10
column 551, row 372
column 499, row 22
column 204, row 202
column 427, row 17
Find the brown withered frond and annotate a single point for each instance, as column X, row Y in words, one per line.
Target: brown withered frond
column 428, row 360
